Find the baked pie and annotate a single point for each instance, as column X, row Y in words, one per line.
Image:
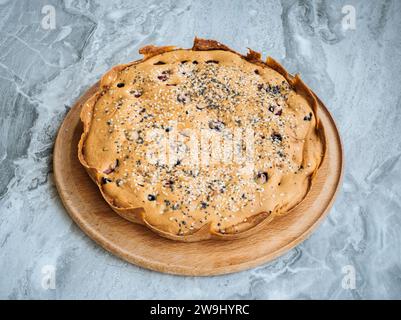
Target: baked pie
column 201, row 143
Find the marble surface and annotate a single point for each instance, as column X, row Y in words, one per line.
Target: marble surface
column 355, row 71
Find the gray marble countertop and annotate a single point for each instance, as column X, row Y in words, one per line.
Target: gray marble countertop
column 46, row 63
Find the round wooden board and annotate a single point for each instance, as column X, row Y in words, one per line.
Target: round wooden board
column 138, row 245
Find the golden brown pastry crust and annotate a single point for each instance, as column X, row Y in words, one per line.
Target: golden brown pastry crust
column 205, row 230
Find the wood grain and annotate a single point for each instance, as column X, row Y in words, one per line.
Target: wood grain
column 138, row 245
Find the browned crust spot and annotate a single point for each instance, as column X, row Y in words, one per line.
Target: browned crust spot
column 151, row 51
column 205, row 45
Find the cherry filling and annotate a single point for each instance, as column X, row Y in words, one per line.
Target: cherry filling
column 112, row 167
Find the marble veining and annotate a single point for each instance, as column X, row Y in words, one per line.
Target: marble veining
column 355, row 71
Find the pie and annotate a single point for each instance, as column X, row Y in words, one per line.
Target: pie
column 201, row 143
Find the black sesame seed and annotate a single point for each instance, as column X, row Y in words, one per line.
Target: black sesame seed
column 276, row 137
column 308, row 117
column 262, row 177
column 273, row 89
column 213, row 106
column 182, row 98
column 216, row 125
column 151, row 197
column 120, row 84
column 106, row 180
column 163, row 77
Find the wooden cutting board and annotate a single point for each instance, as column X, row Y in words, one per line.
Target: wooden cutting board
column 138, row 245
